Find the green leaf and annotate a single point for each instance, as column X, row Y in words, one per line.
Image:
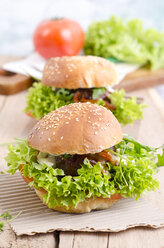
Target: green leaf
column 42, row 99
column 97, row 93
column 161, row 159
column 8, row 218
column 125, row 41
column 126, row 110
column 133, row 176
column 6, row 215
column 1, row 226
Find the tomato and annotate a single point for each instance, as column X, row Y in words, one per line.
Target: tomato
column 26, row 179
column 56, row 38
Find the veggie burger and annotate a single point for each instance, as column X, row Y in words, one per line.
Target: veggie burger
column 74, row 79
column 77, row 160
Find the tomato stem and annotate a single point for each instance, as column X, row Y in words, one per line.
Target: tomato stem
column 57, row 18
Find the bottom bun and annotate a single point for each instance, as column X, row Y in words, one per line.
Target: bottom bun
column 86, row 206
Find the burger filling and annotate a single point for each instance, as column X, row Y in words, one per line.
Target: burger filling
column 41, row 100
column 71, row 163
column 127, row 169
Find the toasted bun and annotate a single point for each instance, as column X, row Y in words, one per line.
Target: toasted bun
column 78, row 128
column 79, row 72
column 86, row 206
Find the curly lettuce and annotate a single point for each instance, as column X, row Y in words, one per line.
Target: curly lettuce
column 126, row 41
column 133, row 176
column 126, row 110
column 42, row 99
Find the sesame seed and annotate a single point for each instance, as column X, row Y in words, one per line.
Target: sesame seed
column 61, row 137
column 49, row 139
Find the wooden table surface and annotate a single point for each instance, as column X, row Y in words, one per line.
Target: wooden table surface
column 14, row 123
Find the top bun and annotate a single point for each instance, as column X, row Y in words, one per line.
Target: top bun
column 78, row 128
column 79, row 72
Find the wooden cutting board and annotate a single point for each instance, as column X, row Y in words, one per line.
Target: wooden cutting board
column 11, row 83
column 140, row 79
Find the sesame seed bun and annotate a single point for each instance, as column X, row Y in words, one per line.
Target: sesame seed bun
column 79, row 72
column 86, row 206
column 78, row 128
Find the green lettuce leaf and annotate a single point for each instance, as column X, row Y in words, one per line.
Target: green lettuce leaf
column 126, row 110
column 133, row 176
column 126, row 41
column 98, row 93
column 161, row 159
column 42, row 99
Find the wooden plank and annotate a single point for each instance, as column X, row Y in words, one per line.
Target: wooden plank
column 8, row 239
column 80, row 240
column 93, row 240
column 141, row 79
column 137, row 238
column 66, row 239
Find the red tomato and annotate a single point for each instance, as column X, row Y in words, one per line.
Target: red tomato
column 26, row 179
column 55, row 38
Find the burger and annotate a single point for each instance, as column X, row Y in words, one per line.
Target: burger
column 77, row 160
column 69, row 80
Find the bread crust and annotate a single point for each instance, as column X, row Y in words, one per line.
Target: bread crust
column 86, row 206
column 78, row 128
column 79, row 72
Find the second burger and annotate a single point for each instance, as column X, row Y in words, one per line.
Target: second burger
column 68, row 80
